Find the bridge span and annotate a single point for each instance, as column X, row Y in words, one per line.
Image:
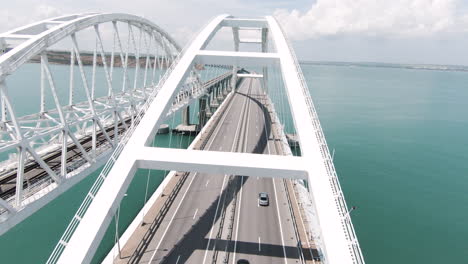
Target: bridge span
column 328, row 218
column 207, row 209
column 206, row 218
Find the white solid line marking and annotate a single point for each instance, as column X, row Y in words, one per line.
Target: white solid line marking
column 172, row 219
column 177, row 259
column 214, row 218
column 259, row 248
column 236, row 134
column 207, row 183
column 279, row 221
column 238, row 218
column 195, row 213
column 240, row 195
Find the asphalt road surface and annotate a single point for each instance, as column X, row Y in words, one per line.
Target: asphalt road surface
column 216, row 218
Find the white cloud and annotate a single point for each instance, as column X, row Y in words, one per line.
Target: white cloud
column 10, row 19
column 398, row 28
column 46, row 11
column 382, row 18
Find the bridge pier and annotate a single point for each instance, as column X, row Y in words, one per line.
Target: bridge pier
column 185, row 127
column 208, row 112
column 202, row 112
column 225, row 88
column 186, row 116
column 208, row 104
column 219, row 92
column 214, row 99
column 233, row 80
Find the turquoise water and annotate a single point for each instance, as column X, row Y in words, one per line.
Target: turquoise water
column 33, row 240
column 399, row 137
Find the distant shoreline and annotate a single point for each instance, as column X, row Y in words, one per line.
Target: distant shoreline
column 430, row 67
column 64, row 58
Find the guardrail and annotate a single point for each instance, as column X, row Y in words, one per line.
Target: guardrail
column 347, row 225
column 278, row 132
column 294, row 222
column 142, row 246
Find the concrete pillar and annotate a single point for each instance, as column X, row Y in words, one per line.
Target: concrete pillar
column 202, row 113
column 213, row 94
column 228, row 85
column 220, row 92
column 234, row 79
column 186, row 116
column 208, row 106
column 214, row 99
column 225, row 89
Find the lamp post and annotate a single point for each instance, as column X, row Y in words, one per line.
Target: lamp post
column 117, row 216
column 349, row 212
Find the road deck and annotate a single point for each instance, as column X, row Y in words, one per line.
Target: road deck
column 217, row 218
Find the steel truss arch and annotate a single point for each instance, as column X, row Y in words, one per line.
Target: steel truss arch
column 60, row 28
column 91, row 128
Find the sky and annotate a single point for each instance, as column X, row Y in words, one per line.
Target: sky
column 396, row 31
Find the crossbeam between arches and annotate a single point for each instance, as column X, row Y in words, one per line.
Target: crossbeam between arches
column 336, row 239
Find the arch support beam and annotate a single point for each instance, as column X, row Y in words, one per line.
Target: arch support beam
column 221, row 163
column 337, row 247
column 241, row 59
column 87, row 236
column 336, row 243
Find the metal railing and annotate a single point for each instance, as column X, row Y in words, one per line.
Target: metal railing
column 346, row 223
column 278, row 132
column 60, row 247
column 105, row 171
column 143, row 245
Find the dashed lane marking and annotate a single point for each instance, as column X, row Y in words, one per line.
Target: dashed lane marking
column 195, row 213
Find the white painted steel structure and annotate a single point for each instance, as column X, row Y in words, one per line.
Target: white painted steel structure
column 336, row 238
column 50, row 131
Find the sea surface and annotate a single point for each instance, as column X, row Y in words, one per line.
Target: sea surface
column 399, row 136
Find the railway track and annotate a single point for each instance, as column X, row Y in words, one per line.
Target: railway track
column 33, row 172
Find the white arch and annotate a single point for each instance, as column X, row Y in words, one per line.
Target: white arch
column 40, row 35
column 338, row 243
column 115, row 109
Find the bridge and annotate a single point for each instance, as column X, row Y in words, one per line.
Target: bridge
column 207, row 208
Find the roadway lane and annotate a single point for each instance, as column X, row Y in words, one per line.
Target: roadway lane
column 182, row 235
column 263, row 234
column 216, row 217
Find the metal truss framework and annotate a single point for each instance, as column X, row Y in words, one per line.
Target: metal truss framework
column 338, row 241
column 100, row 121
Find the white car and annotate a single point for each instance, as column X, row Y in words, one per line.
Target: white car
column 263, row 199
